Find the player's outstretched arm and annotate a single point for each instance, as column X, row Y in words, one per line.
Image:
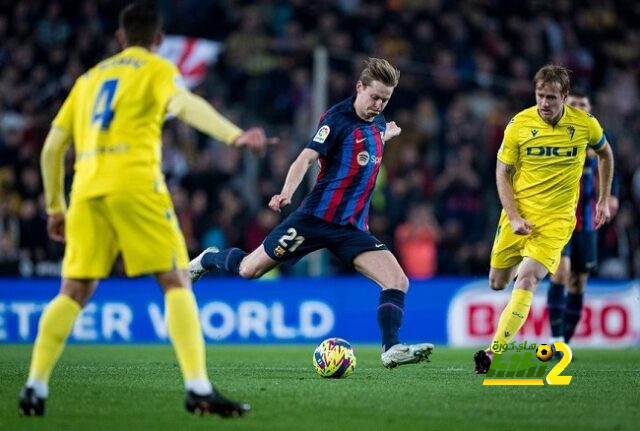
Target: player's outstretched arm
column 52, row 169
column 197, row 112
column 504, row 181
column 391, row 131
column 296, row 173
column 605, row 178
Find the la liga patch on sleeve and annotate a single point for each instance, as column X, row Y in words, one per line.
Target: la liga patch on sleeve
column 322, row 134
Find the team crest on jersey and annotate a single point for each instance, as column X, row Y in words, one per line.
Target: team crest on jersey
column 363, row 158
column 322, row 134
column 279, row 251
column 534, row 132
column 571, row 131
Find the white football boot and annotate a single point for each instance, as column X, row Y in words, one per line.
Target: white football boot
column 401, row 354
column 196, row 271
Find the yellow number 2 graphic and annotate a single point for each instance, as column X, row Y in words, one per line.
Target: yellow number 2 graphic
column 554, row 377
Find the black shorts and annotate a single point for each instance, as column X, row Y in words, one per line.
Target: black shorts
column 300, row 234
column 582, row 248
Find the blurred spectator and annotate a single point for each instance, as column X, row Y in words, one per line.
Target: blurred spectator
column 416, row 242
column 465, row 72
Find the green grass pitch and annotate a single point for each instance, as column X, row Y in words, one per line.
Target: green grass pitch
column 122, row 388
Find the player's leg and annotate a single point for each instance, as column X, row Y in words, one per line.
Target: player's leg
column 499, row 278
column 556, row 297
column 298, row 235
column 232, row 260
column 530, row 272
column 383, row 268
column 89, row 254
column 575, row 297
column 513, row 316
column 515, row 313
column 54, row 328
column 505, row 255
column 584, row 260
column 151, row 242
column 183, row 326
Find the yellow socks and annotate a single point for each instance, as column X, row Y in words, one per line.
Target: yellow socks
column 55, row 326
column 513, row 317
column 181, row 314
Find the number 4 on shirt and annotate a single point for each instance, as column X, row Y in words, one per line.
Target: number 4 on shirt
column 103, row 107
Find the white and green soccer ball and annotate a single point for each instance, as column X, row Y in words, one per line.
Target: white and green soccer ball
column 334, row 358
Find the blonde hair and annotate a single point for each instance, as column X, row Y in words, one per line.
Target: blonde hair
column 553, row 73
column 379, row 69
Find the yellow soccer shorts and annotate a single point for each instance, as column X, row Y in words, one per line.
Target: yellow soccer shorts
column 141, row 226
column 544, row 244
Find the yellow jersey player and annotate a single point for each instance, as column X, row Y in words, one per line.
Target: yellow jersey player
column 120, row 203
column 538, row 175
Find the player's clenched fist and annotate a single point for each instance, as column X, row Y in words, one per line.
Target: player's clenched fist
column 278, row 202
column 391, row 131
column 55, row 226
column 520, row 226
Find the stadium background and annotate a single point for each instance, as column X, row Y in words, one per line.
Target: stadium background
column 466, row 68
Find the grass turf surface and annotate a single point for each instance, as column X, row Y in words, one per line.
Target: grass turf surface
column 139, row 388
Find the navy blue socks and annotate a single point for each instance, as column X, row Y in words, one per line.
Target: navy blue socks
column 555, row 305
column 228, row 260
column 572, row 315
column 390, row 313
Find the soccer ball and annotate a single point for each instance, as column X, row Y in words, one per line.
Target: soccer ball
column 544, row 352
column 334, row 358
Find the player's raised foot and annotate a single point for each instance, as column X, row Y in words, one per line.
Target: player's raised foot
column 196, row 270
column 214, row 403
column 401, row 354
column 29, row 404
column 483, row 359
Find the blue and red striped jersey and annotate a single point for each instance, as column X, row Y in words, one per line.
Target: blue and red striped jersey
column 586, row 209
column 589, row 184
column 350, row 154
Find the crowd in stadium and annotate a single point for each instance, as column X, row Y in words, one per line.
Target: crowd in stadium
column 465, row 70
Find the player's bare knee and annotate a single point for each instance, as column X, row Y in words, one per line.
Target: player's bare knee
column 401, row 283
column 249, row 272
column 78, row 290
column 527, row 281
column 497, row 283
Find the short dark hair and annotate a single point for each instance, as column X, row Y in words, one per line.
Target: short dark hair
column 553, row 73
column 578, row 92
column 140, row 21
column 378, row 69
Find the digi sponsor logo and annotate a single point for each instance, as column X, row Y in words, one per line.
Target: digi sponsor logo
column 552, row 151
column 528, row 368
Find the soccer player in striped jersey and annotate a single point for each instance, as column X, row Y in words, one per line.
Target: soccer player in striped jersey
column 120, row 202
column 538, row 172
column 348, row 144
column 580, row 255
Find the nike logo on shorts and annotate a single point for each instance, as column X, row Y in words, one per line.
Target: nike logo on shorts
column 379, row 245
